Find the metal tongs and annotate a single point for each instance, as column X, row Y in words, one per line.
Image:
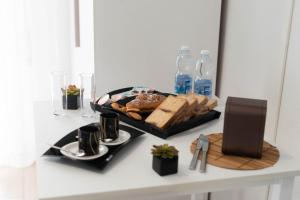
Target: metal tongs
column 203, row 145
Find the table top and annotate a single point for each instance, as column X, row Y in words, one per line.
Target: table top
column 130, row 172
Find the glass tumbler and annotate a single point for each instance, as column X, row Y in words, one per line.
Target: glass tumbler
column 58, row 92
column 87, row 94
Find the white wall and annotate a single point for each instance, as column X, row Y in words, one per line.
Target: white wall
column 82, row 57
column 253, row 57
column 255, row 41
column 136, row 41
column 288, row 135
column 50, row 36
column 53, row 42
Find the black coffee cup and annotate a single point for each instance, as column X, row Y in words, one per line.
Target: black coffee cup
column 88, row 139
column 109, row 126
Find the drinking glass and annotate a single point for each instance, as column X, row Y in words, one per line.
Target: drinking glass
column 58, row 92
column 87, row 94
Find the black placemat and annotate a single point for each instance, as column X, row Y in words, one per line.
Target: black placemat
column 99, row 163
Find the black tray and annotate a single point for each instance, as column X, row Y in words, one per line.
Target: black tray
column 99, row 163
column 162, row 133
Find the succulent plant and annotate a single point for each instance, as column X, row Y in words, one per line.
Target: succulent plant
column 71, row 90
column 164, row 151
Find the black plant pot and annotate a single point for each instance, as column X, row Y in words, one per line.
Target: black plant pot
column 165, row 166
column 72, row 102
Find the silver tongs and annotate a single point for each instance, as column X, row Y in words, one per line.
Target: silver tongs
column 203, row 144
column 194, row 161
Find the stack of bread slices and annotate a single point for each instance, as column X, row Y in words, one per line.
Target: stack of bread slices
column 176, row 109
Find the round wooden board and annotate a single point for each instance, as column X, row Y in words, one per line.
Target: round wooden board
column 217, row 158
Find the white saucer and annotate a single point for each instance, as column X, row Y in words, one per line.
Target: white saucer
column 123, row 137
column 73, row 147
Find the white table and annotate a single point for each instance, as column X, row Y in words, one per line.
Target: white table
column 130, row 174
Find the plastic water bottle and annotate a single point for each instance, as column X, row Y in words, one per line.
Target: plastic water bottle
column 184, row 74
column 203, row 75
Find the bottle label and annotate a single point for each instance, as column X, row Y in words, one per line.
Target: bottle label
column 183, row 83
column 203, row 87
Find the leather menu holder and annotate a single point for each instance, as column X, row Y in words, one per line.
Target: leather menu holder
column 244, row 125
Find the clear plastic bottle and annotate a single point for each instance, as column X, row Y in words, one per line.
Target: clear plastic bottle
column 203, row 75
column 184, row 74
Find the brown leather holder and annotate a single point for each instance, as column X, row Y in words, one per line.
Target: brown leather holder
column 244, row 125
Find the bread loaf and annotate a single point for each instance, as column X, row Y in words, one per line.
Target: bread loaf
column 189, row 111
column 167, row 111
column 211, row 104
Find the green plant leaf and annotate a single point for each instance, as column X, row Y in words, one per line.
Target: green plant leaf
column 164, row 151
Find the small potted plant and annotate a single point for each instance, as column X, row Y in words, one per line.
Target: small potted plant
column 73, row 95
column 165, row 159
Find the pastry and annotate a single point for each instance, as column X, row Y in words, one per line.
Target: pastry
column 146, row 102
column 118, row 107
column 134, row 115
column 133, row 110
